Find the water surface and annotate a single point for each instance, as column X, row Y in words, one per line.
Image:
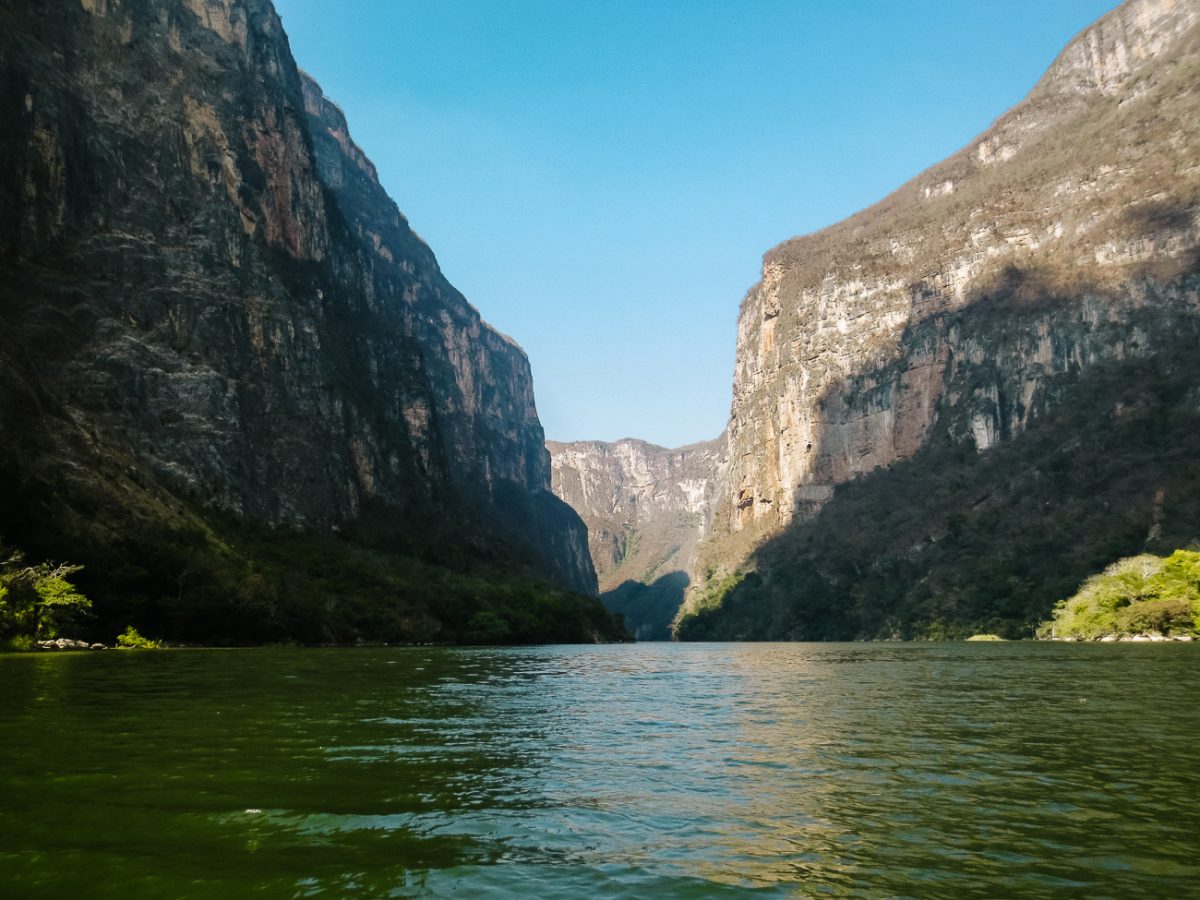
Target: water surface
column 651, row 770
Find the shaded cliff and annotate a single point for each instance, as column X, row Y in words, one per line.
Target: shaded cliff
column 479, row 379
column 216, row 319
column 646, row 508
column 935, row 349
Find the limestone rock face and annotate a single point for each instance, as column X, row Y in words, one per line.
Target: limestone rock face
column 203, row 277
column 1069, row 230
column 647, row 509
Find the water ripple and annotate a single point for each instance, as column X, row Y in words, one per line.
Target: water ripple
column 652, row 770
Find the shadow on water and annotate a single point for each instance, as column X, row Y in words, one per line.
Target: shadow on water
column 649, row 609
column 152, row 771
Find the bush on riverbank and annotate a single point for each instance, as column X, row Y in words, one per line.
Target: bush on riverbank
column 131, row 639
column 36, row 601
column 1136, row 595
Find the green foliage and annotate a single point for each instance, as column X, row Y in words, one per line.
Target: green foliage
column 1135, row 595
column 488, row 627
column 939, row 630
column 189, row 575
column 131, row 639
column 37, row 601
column 715, row 589
column 285, row 585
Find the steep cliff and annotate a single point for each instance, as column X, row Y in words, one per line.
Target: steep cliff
column 646, row 509
column 1049, row 266
column 479, row 379
column 212, row 309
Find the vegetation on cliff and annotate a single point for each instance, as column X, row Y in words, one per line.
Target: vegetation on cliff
column 954, row 542
column 231, row 582
column 1137, row 595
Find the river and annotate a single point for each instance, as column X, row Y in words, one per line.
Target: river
column 652, row 770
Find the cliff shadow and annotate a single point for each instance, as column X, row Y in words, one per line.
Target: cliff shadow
column 1058, row 441
column 649, row 609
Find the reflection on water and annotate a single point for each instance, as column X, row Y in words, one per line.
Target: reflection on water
column 651, row 770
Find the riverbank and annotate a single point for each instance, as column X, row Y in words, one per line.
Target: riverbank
column 68, row 644
column 1153, row 637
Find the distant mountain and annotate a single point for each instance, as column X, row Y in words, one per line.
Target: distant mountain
column 227, row 358
column 952, row 407
column 646, row 508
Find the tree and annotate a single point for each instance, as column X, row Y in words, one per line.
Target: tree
column 36, row 601
column 1134, row 595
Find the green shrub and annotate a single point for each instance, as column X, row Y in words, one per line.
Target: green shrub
column 36, row 602
column 130, row 639
column 1138, row 594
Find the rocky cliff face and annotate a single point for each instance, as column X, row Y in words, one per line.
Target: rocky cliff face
column 204, row 279
column 963, row 307
column 647, row 508
column 479, row 380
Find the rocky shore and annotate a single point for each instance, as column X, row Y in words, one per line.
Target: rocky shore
column 1144, row 637
column 68, row 644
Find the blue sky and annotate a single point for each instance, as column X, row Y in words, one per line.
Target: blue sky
column 601, row 177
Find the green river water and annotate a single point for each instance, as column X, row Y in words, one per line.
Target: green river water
column 653, row 770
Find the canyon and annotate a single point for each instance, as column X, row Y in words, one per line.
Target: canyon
column 952, row 407
column 237, row 388
column 647, row 509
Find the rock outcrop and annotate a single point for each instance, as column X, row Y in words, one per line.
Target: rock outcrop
column 967, row 306
column 211, row 305
column 646, row 508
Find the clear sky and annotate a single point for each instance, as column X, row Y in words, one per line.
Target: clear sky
column 601, row 177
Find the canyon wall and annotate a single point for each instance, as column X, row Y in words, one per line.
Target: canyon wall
column 211, row 305
column 965, row 307
column 647, row 508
